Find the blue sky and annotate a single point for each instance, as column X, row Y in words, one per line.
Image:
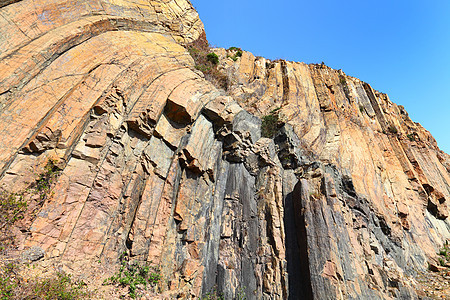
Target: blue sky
column 400, row 47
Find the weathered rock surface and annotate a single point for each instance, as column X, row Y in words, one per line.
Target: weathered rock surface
column 347, row 201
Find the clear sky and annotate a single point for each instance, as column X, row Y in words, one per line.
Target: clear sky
column 400, row 47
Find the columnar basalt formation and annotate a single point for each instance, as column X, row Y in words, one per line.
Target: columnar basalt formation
column 348, row 200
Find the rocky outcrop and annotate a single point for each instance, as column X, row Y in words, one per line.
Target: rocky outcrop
column 376, row 208
column 346, row 201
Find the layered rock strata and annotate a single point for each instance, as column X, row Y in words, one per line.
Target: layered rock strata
column 346, row 201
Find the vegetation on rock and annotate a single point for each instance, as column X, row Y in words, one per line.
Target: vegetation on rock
column 46, row 178
column 411, row 137
column 12, row 208
column 206, row 61
column 269, row 125
column 215, row 295
column 212, row 58
column 60, row 286
column 237, row 53
column 134, row 276
column 361, row 108
column 444, row 254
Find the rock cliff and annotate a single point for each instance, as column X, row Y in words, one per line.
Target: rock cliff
column 346, row 198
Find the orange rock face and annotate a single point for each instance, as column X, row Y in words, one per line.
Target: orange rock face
column 347, row 199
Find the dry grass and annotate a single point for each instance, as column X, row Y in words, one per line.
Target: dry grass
column 17, row 210
column 12, row 209
column 60, row 286
column 206, row 62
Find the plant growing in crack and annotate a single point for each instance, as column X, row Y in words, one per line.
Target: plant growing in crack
column 361, row 108
column 241, row 294
column 134, row 275
column 270, row 124
column 15, row 206
column 47, row 178
column 12, row 208
column 411, row 137
column 444, row 254
column 213, row 295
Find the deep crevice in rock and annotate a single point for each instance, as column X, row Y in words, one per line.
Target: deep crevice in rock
column 299, row 275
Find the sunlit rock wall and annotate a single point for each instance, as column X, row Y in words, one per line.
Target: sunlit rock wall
column 348, row 199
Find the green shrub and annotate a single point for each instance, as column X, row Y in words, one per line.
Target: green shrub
column 234, row 49
column 213, row 295
column 212, row 58
column 132, row 275
column 444, row 254
column 275, row 110
column 445, row 251
column 241, row 294
column 8, row 281
column 411, row 137
column 46, row 178
column 238, row 53
column 203, row 69
column 269, row 125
